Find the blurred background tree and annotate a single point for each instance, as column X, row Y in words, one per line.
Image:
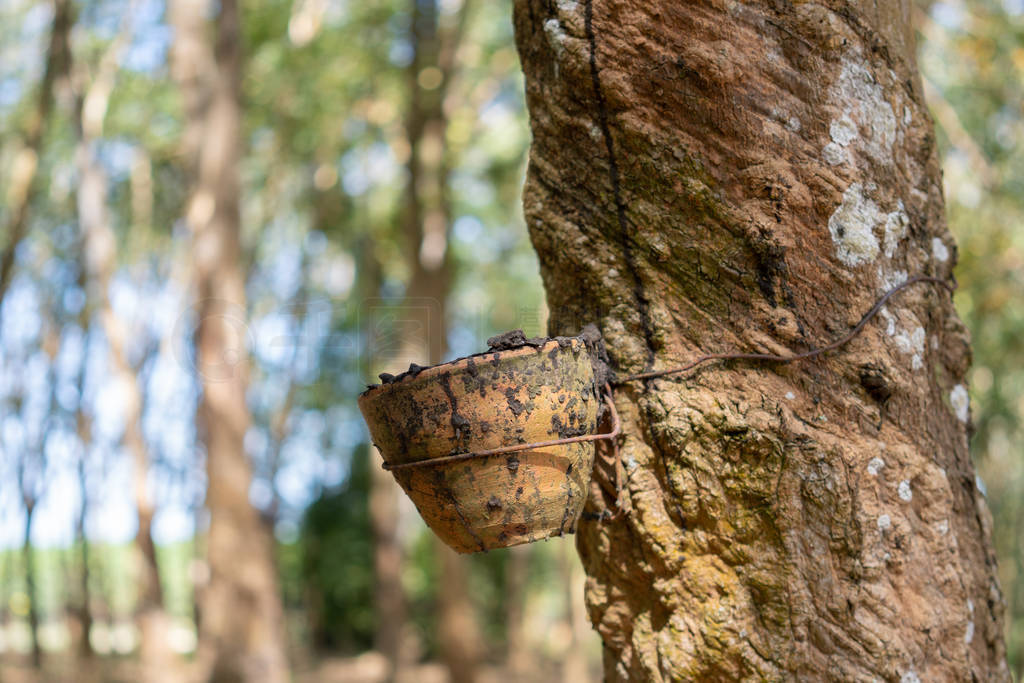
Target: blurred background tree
column 379, row 170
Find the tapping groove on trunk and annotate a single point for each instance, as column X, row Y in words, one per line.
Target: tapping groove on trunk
column 613, row 177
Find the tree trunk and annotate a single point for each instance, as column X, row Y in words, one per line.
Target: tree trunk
column 714, row 177
column 85, row 593
column 241, row 630
column 29, row 558
column 100, row 260
column 517, row 569
column 26, row 161
column 574, row 664
column 83, row 431
column 23, row 175
column 427, row 226
column 390, row 602
column 32, row 480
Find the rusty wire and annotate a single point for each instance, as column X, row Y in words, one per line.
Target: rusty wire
column 516, row 448
column 773, row 358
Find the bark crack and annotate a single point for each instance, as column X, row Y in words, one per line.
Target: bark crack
column 643, row 302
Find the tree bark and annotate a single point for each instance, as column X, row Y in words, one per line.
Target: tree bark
column 241, row 630
column 714, row 177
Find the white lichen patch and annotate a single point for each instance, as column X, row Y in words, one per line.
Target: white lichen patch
column 917, row 338
column 790, row 395
column 896, row 224
column 942, row 526
column 980, row 483
column 890, row 279
column 961, row 402
column 916, row 363
column 852, row 227
column 557, row 37
column 969, row 633
column 939, row 250
column 568, row 6
column 875, row 465
column 834, row 154
column 912, row 343
column 843, row 131
column 793, row 124
column 910, row 677
column 904, row 492
column 884, row 522
column 890, row 321
column 864, row 104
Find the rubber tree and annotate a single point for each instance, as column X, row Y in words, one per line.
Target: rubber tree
column 241, row 621
column 425, row 225
column 717, row 176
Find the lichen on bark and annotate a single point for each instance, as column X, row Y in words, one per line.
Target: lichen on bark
column 686, row 190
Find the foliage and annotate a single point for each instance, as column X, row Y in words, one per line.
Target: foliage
column 337, row 577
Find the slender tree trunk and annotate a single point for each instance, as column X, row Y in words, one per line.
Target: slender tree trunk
column 29, row 559
column 714, row 177
column 389, row 598
column 241, row 630
column 517, row 566
column 31, row 481
column 574, row 665
column 83, row 430
column 279, row 418
column 85, row 593
column 389, row 595
column 100, row 259
column 427, row 224
column 26, row 161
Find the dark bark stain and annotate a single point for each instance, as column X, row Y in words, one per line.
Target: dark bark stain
column 643, row 303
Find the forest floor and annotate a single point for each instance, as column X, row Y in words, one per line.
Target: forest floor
column 369, row 667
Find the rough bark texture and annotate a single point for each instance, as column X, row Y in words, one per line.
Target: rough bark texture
column 241, row 629
column 723, row 176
